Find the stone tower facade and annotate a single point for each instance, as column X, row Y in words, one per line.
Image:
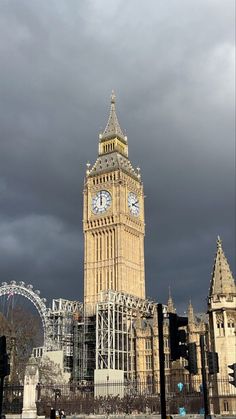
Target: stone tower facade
column 222, row 311
column 113, row 219
column 222, row 322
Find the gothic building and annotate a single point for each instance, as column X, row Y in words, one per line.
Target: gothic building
column 113, row 219
column 113, row 224
column 118, row 337
column 115, row 335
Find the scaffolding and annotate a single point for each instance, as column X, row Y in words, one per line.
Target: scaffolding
column 115, row 314
column 84, row 344
column 61, row 330
column 78, row 345
column 89, row 354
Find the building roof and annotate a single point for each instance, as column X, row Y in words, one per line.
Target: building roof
column 113, row 161
column 113, row 128
column 116, row 157
column 222, row 281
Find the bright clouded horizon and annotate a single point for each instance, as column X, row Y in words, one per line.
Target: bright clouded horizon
column 171, row 65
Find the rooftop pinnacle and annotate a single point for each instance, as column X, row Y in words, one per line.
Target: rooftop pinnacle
column 190, row 313
column 113, row 128
column 170, row 304
column 222, row 281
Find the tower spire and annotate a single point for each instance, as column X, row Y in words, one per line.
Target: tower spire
column 113, row 129
column 170, row 303
column 190, row 312
column 222, row 281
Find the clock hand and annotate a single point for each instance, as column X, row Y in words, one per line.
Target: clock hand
column 100, row 199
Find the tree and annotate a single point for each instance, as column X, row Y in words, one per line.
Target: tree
column 23, row 330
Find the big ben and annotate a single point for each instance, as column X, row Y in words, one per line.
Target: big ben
column 113, row 219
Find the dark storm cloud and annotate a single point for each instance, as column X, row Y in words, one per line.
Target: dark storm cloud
column 171, row 64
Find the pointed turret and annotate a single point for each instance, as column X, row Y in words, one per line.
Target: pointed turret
column 190, row 313
column 170, row 304
column 222, row 281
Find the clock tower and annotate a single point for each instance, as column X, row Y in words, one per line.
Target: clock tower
column 113, row 219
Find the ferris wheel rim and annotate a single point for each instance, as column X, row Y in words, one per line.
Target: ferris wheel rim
column 27, row 291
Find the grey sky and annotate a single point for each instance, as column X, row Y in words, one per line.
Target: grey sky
column 171, row 64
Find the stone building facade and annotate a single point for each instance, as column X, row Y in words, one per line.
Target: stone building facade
column 222, row 324
column 113, row 219
column 147, row 344
column 114, row 228
column 218, row 327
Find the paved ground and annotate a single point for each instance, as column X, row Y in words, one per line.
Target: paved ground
column 132, row 417
column 150, row 417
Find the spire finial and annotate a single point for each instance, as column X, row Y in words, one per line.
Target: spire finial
column 219, row 242
column 113, row 97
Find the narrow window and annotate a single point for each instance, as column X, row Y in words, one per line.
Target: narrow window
column 107, row 245
column 96, row 248
column 100, row 280
column 111, row 274
column 100, row 247
column 226, row 406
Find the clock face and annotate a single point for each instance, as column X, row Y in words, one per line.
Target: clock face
column 101, row 202
column 133, row 204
